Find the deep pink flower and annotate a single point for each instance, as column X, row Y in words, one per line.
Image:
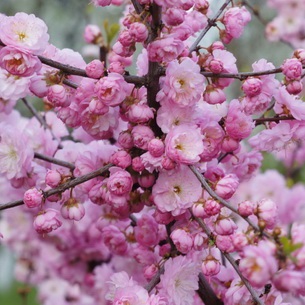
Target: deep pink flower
column 33, row 198
column 119, row 182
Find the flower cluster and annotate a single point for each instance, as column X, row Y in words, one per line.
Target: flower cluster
column 147, row 189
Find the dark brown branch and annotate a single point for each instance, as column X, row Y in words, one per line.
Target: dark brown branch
column 65, row 186
column 137, row 6
column 231, row 260
column 155, row 280
column 274, row 119
column 54, row 160
column 211, row 23
column 206, row 293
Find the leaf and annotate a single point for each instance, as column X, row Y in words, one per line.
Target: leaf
column 113, row 31
column 288, row 246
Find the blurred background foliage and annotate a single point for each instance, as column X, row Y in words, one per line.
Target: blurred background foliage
column 66, row 20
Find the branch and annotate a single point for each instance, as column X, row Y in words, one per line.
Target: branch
column 137, row 6
column 71, row 183
column 54, row 160
column 32, row 109
column 155, row 280
column 211, row 23
column 274, row 119
column 231, row 260
column 221, row 200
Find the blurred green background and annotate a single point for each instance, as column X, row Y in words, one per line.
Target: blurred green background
column 66, row 20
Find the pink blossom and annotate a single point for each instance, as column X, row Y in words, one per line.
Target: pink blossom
column 227, row 186
column 258, row 264
column 179, row 281
column 125, row 139
column 146, row 181
column 114, row 239
column 57, row 96
column 286, row 103
column 246, row 208
column 252, row 86
column 214, row 95
column 53, row 178
column 183, row 84
column 18, row 62
column 33, row 198
column 138, row 31
column 92, row 33
column 101, row 2
column 25, row 32
column 173, row 16
column 121, row 158
column 235, row 19
column 139, row 113
column 210, row 266
column 141, row 136
column 72, row 209
column 225, row 243
column 156, row 147
column 294, row 87
column 119, row 182
column 291, row 281
column 211, row 207
column 176, row 191
column 46, row 221
column 225, row 226
column 292, row 68
column 238, row 124
column 112, row 89
column 165, row 49
column 182, row 240
column 146, row 231
column 95, row 68
column 183, row 144
column 267, row 211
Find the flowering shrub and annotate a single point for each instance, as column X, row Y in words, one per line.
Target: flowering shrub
column 148, row 189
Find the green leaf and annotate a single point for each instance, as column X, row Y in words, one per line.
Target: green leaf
column 112, row 32
column 288, row 246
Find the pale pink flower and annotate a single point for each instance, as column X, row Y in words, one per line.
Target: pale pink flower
column 289, row 103
column 112, row 89
column 267, row 211
column 32, row 198
column 210, row 266
column 15, row 153
column 47, row 221
column 176, row 191
column 258, row 264
column 291, row 281
column 120, row 181
column 165, row 49
column 18, row 62
column 72, row 209
column 182, row 85
column 25, row 32
column 183, row 144
column 182, row 240
column 179, row 281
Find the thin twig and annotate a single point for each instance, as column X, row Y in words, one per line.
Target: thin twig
column 35, row 113
column 69, row 184
column 210, row 24
column 274, row 119
column 54, row 160
column 221, row 200
column 155, row 280
column 231, row 261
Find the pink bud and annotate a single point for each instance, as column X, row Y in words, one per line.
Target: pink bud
column 137, row 164
column 92, row 34
column 292, row 68
column 240, row 241
column 300, row 55
column 163, row 218
column 252, row 86
column 47, row 221
column 201, row 241
column 141, row 136
column 33, row 198
column 294, row 87
column 167, row 163
column 227, row 186
column 246, row 208
column 198, row 210
column 165, row 250
column 57, row 96
column 119, row 182
column 216, row 66
column 225, row 226
column 210, row 266
column 182, row 240
column 225, row 243
column 53, row 178
column 121, row 158
column 150, row 272
column 156, row 147
column 138, row 31
column 95, row 69
column 214, row 95
column 72, row 210
column 125, row 140
column 212, row 207
column 229, row 144
column 267, row 211
column 146, row 180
